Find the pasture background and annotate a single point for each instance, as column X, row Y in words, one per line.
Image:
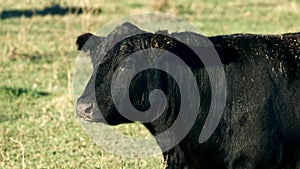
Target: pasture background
column 37, row 58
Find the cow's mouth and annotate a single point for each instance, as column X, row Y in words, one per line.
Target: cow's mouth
column 84, row 116
column 87, row 116
column 86, row 110
column 89, row 119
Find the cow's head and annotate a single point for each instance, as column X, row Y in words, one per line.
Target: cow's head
column 109, row 58
column 96, row 104
column 108, row 55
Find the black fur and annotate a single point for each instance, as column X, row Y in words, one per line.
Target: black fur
column 261, row 121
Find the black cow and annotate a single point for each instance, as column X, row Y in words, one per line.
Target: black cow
column 260, row 125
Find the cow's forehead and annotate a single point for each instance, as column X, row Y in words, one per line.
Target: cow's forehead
column 118, row 34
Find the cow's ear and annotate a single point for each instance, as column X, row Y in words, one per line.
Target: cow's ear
column 81, row 40
column 89, row 44
column 88, row 41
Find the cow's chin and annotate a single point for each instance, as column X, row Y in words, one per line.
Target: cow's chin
column 112, row 117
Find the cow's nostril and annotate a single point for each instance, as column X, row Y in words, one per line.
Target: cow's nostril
column 85, row 107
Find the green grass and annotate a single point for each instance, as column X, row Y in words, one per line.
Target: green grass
column 37, row 58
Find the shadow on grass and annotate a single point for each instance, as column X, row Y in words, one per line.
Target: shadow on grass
column 17, row 92
column 55, row 9
column 14, row 93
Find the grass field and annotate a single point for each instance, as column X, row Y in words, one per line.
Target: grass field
column 38, row 125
